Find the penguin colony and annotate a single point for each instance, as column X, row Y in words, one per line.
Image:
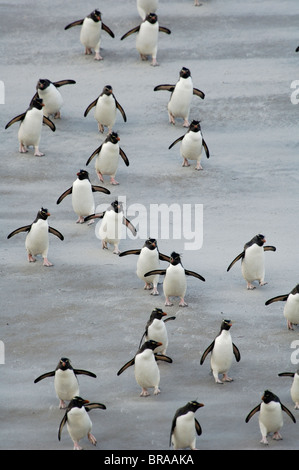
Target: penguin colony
column 184, row 427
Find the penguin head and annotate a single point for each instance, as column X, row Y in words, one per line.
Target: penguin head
column 64, row 364
column 269, row 396
column 37, row 103
column 194, row 405
column 113, row 138
column 43, row 83
column 77, row 402
column 259, row 239
column 107, row 90
column 117, row 206
column 152, row 18
column 151, row 344
column 150, row 243
column 195, row 126
column 83, row 175
column 185, row 73
column 175, row 258
column 158, row 314
column 43, row 213
column 96, row 16
column 225, row 325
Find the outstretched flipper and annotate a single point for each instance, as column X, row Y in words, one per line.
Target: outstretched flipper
column 74, row 23
column 126, row 366
column 25, row 228
column 56, row 232
column 240, row 256
column 131, row 31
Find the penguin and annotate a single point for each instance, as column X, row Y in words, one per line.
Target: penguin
column 156, row 330
column 295, row 386
column 181, row 96
column 111, row 226
column 144, row 7
column 291, row 308
column 31, row 122
column 90, row 35
column 175, row 283
column 147, row 37
column 65, row 380
column 297, row 49
column 37, row 239
column 222, row 350
column 147, row 373
column 82, row 195
column 270, row 417
column 51, row 96
column 78, row 422
column 185, row 426
column 192, row 144
column 106, row 106
column 252, row 259
column 148, row 259
column 107, row 159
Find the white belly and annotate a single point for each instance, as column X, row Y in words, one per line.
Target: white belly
column 295, row 389
column 108, row 159
column 184, row 433
column 82, row 198
column 291, row 309
column 145, row 7
column 222, row 354
column 111, row 227
column 253, row 266
column 191, row 146
column 37, row 240
column 157, row 331
column 52, row 100
column 105, row 111
column 147, row 372
column 66, row 384
column 90, row 35
column 78, row 423
column 147, row 39
column 175, row 283
column 270, row 417
column 31, row 128
column 148, row 260
column 180, row 100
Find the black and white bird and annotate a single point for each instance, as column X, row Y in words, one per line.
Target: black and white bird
column 65, row 380
column 252, row 261
column 78, row 422
column 180, row 100
column 37, row 239
column 155, row 329
column 291, row 308
column 294, row 387
column 175, row 283
column 82, row 195
column 91, row 32
column 106, row 107
column 110, row 231
column 31, row 123
column 222, row 351
column 147, row 373
column 192, row 145
column 148, row 259
column 185, row 426
column 51, row 96
column 147, row 37
column 271, row 416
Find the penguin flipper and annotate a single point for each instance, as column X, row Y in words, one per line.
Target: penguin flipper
column 62, row 423
column 100, row 189
column 241, row 255
column 165, row 87
column 130, row 252
column 94, row 216
column 94, row 154
column 63, row 195
column 286, row 374
column 49, row 123
column 192, row 273
column 197, row 427
column 63, row 82
column 199, row 93
column 236, row 353
column 90, row 106
column 84, row 372
column 121, row 110
column 93, row 406
column 20, row 117
column 125, row 366
column 163, row 257
column 169, row 318
column 206, row 352
column 54, row 231
column 252, row 412
column 25, row 228
column 129, row 225
column 131, row 31
column 282, row 297
column 108, row 30
column 269, row 248
column 162, row 357
column 176, row 141
column 142, row 339
column 155, row 271
column 74, row 23
column 288, row 412
column 44, row 376
column 206, row 148
column 124, row 157
column 163, row 29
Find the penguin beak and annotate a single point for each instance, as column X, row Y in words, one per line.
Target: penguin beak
column 164, row 313
column 85, row 401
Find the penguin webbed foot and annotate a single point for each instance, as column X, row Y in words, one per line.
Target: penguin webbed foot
column 92, row 439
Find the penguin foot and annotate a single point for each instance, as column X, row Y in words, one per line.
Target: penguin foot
column 31, row 259
column 98, row 56
column 264, row 441
column 185, row 162
column 101, row 128
column 262, row 283
column 198, row 167
column 227, row 379
column 80, row 220
column 250, row 286
column 62, row 405
column 155, row 291
column 147, row 286
column 143, row 57
column 186, row 123
column 23, row 148
column 87, row 51
column 47, row 262
column 157, row 391
column 182, row 303
column 296, row 407
column 113, row 181
column 37, row 153
column 57, row 115
column 144, row 393
column 76, row 446
column 92, row 439
column 154, row 63
column 168, row 303
column 116, row 251
column 277, row 436
column 100, row 176
column 104, row 246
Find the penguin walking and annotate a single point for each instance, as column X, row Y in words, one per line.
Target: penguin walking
column 37, row 239
column 90, row 35
column 82, row 196
column 145, row 7
column 291, row 308
column 106, row 106
column 148, row 259
column 31, row 122
column 51, row 96
column 175, row 283
column 147, row 373
column 192, row 145
column 270, row 417
column 65, row 380
column 181, row 96
column 295, row 386
column 222, row 350
column 78, row 422
column 155, row 329
column 147, row 37
column 111, row 226
column 252, row 261
column 107, row 159
column 185, row 426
